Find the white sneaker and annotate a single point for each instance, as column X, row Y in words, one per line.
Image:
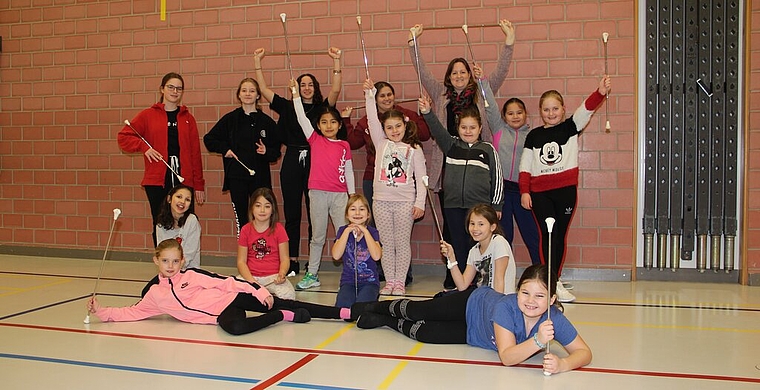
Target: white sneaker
column 566, row 285
column 563, row 295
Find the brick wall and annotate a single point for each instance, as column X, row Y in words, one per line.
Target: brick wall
column 72, row 70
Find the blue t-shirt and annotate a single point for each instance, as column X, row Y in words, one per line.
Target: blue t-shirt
column 366, row 266
column 486, row 307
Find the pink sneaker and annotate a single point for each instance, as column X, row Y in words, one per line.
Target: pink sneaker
column 388, row 289
column 398, row 288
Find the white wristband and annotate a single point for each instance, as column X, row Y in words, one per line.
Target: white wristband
column 451, row 264
column 539, row 344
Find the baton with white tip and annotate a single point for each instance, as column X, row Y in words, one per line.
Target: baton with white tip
column 287, row 46
column 116, row 213
column 364, row 49
column 549, row 227
column 180, row 178
column 472, row 57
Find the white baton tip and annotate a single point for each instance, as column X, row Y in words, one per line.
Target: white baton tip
column 282, row 16
column 549, row 224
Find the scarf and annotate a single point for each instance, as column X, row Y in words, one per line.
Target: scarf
column 458, row 101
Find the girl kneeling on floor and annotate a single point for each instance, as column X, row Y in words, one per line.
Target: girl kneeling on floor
column 491, row 258
column 358, row 246
column 202, row 297
column 262, row 255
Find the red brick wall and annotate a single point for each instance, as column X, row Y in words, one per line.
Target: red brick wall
column 72, row 70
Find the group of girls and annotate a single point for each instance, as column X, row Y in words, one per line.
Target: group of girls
column 488, row 177
column 533, row 176
column 455, row 111
column 359, row 136
column 480, row 187
column 516, row 326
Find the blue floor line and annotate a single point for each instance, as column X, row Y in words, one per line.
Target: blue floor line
column 130, row 368
column 168, row 372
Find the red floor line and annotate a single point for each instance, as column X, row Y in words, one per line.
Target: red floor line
column 384, row 356
column 255, row 346
column 287, row 371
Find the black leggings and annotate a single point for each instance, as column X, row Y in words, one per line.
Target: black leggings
column 234, row 321
column 434, row 321
column 559, row 204
column 294, row 179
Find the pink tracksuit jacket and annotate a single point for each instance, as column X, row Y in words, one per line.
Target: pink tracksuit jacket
column 193, row 295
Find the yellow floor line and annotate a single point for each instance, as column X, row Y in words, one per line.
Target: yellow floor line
column 334, row 336
column 399, row 367
column 396, row 370
column 41, row 286
column 653, row 326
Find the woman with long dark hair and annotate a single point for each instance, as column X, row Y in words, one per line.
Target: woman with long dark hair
column 458, row 91
column 296, row 163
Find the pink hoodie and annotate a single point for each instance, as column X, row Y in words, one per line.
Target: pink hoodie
column 194, row 296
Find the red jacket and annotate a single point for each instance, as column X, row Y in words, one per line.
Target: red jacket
column 151, row 124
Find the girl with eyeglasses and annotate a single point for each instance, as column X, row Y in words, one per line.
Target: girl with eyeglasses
column 172, row 133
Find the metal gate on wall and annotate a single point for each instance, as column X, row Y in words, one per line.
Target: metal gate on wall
column 690, row 140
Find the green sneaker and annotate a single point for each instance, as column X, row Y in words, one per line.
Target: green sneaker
column 309, row 280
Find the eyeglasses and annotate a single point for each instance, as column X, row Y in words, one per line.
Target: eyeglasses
column 173, row 88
